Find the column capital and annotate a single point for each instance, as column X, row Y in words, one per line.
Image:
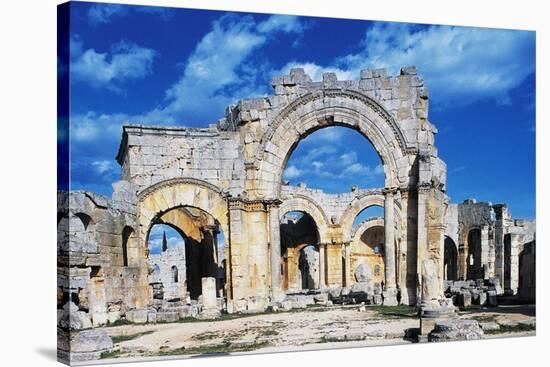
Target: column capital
column 273, row 203
column 389, row 190
column 424, row 186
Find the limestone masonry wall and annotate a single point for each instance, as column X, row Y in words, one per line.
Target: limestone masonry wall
column 228, row 177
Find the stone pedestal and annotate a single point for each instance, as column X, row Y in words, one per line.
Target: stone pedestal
column 209, row 302
column 390, row 297
column 434, row 307
column 430, row 315
column 450, row 330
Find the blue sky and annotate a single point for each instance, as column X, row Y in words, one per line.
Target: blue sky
column 182, row 67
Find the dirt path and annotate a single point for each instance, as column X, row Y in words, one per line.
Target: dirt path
column 315, row 325
column 313, row 328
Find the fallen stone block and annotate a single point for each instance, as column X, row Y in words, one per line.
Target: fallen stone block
column 483, row 298
column 286, row 305
column 491, row 298
column 529, row 322
column 321, row 298
column 464, row 299
column 137, row 316
column 489, row 326
column 448, row 330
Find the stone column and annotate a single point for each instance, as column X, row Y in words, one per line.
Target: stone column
column 275, row 253
column 209, row 302
column 390, row 290
column 485, row 250
column 514, row 263
column 347, row 266
column 322, row 275
column 499, row 254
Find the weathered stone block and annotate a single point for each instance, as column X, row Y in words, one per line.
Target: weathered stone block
column 464, row 299
column 137, row 316
column 449, row 330
column 492, row 298
column 209, row 293
column 90, row 341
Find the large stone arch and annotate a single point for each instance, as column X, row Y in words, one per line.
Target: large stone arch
column 315, row 110
column 166, row 195
column 360, row 204
column 306, row 205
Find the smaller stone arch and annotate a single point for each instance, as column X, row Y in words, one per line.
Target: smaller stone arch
column 375, row 198
column 310, row 207
column 181, row 192
column 360, row 255
column 450, row 259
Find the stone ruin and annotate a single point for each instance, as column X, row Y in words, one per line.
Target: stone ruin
column 228, row 177
column 488, row 254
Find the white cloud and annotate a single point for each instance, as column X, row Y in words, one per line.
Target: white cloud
column 283, row 23
column 316, row 71
column 292, row 172
column 347, row 158
column 219, row 61
column 127, row 61
column 356, row 169
column 458, row 64
column 316, row 152
column 103, row 166
column 92, row 126
column 103, row 13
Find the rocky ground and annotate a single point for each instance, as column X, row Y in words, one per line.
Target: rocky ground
column 315, row 327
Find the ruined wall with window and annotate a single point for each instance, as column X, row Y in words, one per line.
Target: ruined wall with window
column 98, row 259
column 491, row 245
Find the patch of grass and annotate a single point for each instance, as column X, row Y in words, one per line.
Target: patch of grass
column 484, row 318
column 268, row 332
column 329, row 339
column 110, row 354
column 123, row 338
column 311, row 308
column 119, row 322
column 206, row 336
column 512, row 329
column 224, row 347
column 399, row 311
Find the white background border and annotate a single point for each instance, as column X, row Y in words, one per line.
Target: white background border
column 28, row 164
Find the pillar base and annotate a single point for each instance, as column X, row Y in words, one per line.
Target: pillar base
column 432, row 312
column 390, row 297
column 278, row 296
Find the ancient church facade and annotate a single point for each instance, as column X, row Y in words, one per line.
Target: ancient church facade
column 228, row 178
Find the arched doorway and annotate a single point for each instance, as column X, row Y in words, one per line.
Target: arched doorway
column 368, row 249
column 201, row 254
column 299, row 252
column 450, row 266
column 474, row 268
